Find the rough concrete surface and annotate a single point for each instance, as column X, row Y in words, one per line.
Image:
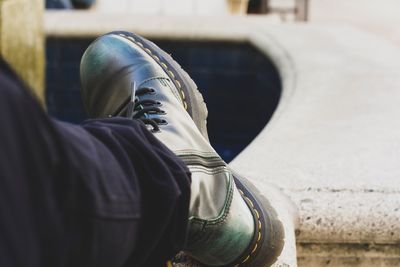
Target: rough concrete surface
column 21, row 40
column 337, row 131
column 333, row 143
column 380, row 17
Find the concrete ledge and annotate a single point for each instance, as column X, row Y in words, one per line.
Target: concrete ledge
column 333, row 143
column 87, row 23
column 347, row 255
column 347, row 216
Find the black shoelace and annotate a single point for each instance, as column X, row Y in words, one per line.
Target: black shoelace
column 141, row 109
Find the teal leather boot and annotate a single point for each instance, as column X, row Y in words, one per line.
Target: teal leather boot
column 229, row 223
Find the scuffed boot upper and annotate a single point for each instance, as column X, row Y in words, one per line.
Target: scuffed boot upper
column 106, row 74
column 220, row 224
column 220, row 221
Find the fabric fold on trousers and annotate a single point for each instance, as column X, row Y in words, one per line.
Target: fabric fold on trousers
column 104, row 193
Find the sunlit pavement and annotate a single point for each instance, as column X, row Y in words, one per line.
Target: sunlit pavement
column 377, row 16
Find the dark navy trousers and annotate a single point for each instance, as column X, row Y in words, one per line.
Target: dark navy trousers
column 103, row 193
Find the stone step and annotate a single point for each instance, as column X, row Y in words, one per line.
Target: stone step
column 333, row 143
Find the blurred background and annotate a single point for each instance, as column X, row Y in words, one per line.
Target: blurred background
column 205, row 36
column 221, row 67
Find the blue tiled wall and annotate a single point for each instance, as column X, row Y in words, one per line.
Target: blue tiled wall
column 62, row 78
column 240, row 86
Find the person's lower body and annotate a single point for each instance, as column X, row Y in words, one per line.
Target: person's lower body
column 104, row 193
column 112, row 192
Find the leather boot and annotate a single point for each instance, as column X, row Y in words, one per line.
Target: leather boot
column 229, row 224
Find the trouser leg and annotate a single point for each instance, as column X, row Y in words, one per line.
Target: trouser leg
column 105, row 193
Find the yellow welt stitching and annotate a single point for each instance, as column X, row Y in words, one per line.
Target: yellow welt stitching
column 179, row 84
column 254, row 249
column 165, row 66
column 251, row 202
column 258, row 215
column 246, row 259
column 183, row 95
column 259, row 229
column 172, row 74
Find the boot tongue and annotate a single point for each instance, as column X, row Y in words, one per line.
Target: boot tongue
column 131, row 105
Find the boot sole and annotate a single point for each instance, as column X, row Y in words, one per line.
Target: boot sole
column 190, row 95
column 268, row 241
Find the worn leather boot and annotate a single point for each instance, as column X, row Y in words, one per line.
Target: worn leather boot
column 229, row 224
